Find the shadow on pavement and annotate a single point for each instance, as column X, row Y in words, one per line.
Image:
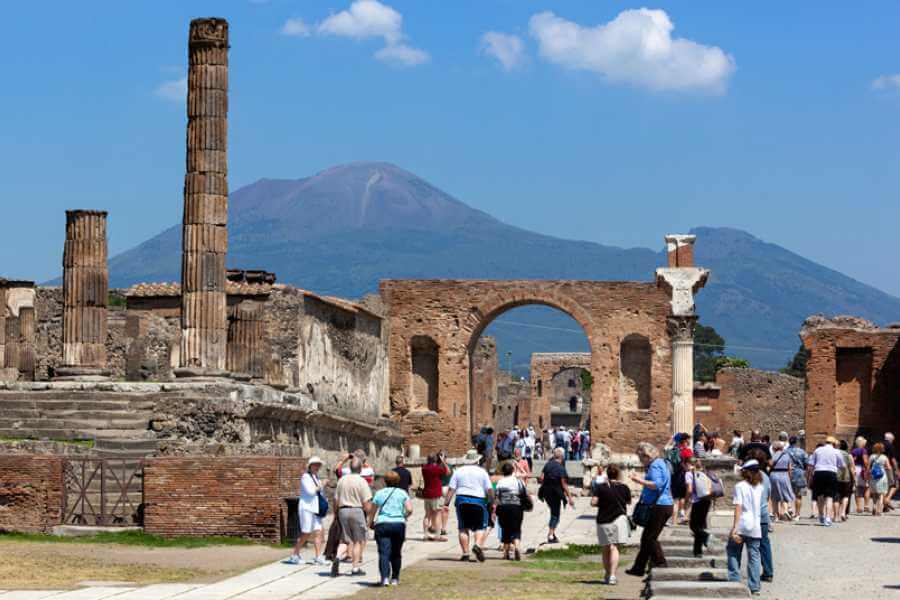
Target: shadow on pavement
column 886, row 540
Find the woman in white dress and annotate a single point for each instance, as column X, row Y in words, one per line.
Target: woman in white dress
column 308, row 508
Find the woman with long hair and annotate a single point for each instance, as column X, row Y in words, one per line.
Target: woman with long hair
column 746, row 529
column 657, row 495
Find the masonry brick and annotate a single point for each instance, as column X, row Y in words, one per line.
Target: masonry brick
column 31, row 492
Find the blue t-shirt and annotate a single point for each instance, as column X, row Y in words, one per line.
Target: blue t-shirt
column 391, row 502
column 764, row 500
column 658, row 473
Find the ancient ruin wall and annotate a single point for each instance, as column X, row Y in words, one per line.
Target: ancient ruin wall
column 546, row 389
column 452, row 315
column 747, row 399
column 513, row 398
column 853, row 376
column 484, row 383
column 31, row 493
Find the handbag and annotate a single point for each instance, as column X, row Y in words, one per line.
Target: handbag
column 524, row 499
column 323, row 501
column 642, row 510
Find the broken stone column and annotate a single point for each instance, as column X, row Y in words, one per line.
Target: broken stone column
column 26, row 343
column 85, row 294
column 19, row 298
column 204, row 327
column 681, row 279
column 245, row 341
column 11, row 358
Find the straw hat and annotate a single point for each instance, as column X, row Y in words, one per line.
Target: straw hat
column 472, row 457
column 315, row 460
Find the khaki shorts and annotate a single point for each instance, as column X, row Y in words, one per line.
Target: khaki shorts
column 353, row 522
column 434, row 504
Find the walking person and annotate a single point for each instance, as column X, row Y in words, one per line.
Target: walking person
column 521, row 466
column 389, row 510
column 861, row 468
column 472, row 487
column 700, row 492
column 657, row 498
column 878, row 478
column 433, row 472
column 509, row 511
column 308, row 508
column 824, row 465
column 892, row 471
column 611, row 499
column 845, row 485
column 799, row 463
column 352, row 497
column 746, row 529
column 765, row 525
column 782, row 491
column 403, row 472
column 554, row 490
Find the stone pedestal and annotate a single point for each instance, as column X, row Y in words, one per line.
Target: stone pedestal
column 85, row 294
column 204, row 326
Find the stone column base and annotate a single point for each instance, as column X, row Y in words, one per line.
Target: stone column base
column 202, row 375
column 9, row 374
column 80, row 374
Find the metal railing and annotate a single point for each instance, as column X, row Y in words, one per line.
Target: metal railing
column 100, row 491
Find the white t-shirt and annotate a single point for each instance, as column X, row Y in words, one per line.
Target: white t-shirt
column 826, row 458
column 749, row 498
column 309, row 493
column 470, row 480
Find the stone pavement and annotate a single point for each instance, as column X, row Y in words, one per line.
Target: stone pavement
column 279, row 581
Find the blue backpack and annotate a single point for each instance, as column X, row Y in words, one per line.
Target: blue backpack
column 876, row 471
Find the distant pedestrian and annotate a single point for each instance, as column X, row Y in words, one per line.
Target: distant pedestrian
column 878, row 478
column 782, row 491
column 554, row 490
column 611, row 499
column 510, row 510
column 657, row 498
column 845, row 483
column 861, row 467
column 308, row 512
column 471, row 485
column 892, row 471
column 700, row 492
column 403, row 472
column 433, row 472
column 746, row 530
column 390, row 508
column 799, row 464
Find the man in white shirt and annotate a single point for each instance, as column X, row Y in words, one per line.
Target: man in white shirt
column 471, row 485
column 824, row 465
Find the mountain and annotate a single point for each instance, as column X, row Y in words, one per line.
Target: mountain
column 341, row 230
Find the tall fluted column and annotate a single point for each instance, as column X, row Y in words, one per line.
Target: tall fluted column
column 681, row 279
column 681, row 330
column 12, row 343
column 204, row 327
column 85, row 294
column 245, row 341
column 26, row 343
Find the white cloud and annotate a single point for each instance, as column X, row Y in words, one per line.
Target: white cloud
column 635, row 48
column 365, row 19
column 887, row 82
column 507, row 49
column 402, row 55
column 175, row 90
column 295, row 27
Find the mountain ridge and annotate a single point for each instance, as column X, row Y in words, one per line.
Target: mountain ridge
column 342, row 229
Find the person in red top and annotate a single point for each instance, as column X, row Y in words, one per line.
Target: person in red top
column 433, row 471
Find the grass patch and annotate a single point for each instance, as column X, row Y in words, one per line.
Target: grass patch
column 573, row 552
column 134, row 538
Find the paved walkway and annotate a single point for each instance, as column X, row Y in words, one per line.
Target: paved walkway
column 279, row 581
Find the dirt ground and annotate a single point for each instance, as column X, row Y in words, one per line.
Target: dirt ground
column 31, row 565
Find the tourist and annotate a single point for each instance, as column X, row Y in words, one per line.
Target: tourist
column 530, row 447
column 782, row 491
column 700, row 492
column 585, row 444
column 554, row 490
column 845, row 478
column 799, row 463
column 563, row 440
column 521, row 467
column 861, row 468
column 509, row 511
column 879, row 465
column 389, row 510
column 676, row 457
column 611, row 499
column 433, row 472
column 352, row 497
column 700, row 445
column 403, row 472
column 445, row 487
column 824, row 465
column 756, row 441
column 718, row 445
column 746, row 529
column 892, row 471
column 765, row 545
column 308, row 508
column 657, row 495
column 367, row 472
column 576, row 445
column 472, row 487
column 737, row 442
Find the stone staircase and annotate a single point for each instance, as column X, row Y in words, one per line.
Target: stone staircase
column 686, row 577
column 116, row 424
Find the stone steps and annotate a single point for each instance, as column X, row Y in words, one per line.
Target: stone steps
column 712, row 561
column 688, row 574
column 77, row 424
column 70, row 434
column 103, row 415
column 123, row 448
column 661, row 590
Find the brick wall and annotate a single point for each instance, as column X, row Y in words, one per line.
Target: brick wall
column 746, row 399
column 31, row 492
column 202, row 496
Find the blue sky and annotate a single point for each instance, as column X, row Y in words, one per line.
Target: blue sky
column 776, row 118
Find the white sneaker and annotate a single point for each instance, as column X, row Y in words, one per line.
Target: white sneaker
column 294, row 560
column 395, row 582
column 612, row 580
column 320, row 560
column 385, row 582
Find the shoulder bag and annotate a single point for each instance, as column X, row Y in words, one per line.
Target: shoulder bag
column 641, row 513
column 524, row 499
column 374, row 516
column 323, row 501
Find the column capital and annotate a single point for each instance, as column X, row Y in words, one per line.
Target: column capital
column 681, row 329
column 682, row 283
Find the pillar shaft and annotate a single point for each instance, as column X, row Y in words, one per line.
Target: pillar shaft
column 85, row 291
column 245, row 341
column 2, row 323
column 12, row 343
column 681, row 330
column 204, row 327
column 26, row 343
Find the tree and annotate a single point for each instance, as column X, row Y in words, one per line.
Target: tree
column 797, row 365
column 708, row 346
column 587, row 380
